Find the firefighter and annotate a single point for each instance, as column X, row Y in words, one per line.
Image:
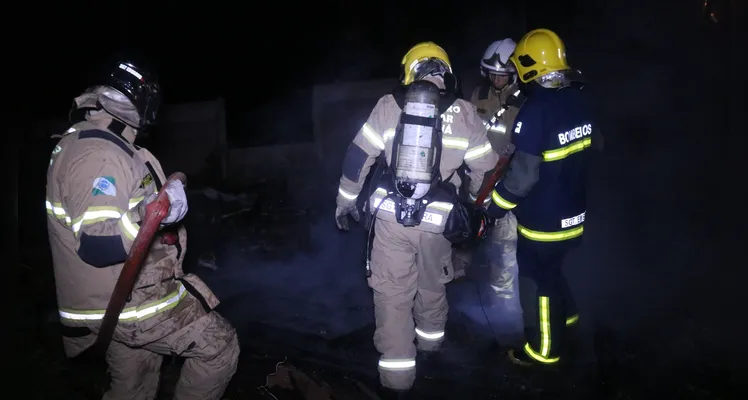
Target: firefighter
column 98, row 184
column 426, row 133
column 498, row 99
column 545, row 188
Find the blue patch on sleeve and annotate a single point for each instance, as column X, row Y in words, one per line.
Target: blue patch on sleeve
column 354, row 161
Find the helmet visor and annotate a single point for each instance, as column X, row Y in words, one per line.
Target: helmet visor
column 431, row 66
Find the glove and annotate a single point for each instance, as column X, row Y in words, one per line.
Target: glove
column 177, row 199
column 341, row 215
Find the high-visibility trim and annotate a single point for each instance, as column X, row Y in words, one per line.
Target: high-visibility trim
column 551, row 236
column 478, row 152
column 134, row 202
column 455, row 143
column 441, row 205
column 96, row 214
column 347, row 195
column 388, row 205
column 129, row 314
column 128, row 228
column 572, row 320
column 55, row 209
column 545, row 334
column 389, row 134
column 372, row 136
column 436, row 335
column 563, row 152
column 535, row 356
column 501, row 202
column 500, row 128
column 400, row 364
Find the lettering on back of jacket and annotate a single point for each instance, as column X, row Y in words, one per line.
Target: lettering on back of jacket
column 574, row 134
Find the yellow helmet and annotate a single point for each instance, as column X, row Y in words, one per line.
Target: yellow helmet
column 539, row 53
column 416, row 58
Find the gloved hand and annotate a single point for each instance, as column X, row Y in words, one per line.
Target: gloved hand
column 177, row 198
column 341, row 215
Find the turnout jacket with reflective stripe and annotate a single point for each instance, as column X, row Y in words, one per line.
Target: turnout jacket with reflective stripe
column 95, row 180
column 496, row 111
column 546, row 177
column 463, row 140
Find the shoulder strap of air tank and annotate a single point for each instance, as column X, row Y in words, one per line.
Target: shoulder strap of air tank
column 399, row 94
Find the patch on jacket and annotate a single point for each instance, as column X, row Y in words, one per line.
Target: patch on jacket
column 104, row 186
column 147, row 180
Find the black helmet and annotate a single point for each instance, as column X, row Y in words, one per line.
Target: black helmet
column 140, row 86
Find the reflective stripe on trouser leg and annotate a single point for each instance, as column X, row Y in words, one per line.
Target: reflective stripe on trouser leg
column 570, row 306
column 542, row 295
column 393, row 282
column 541, row 350
column 433, row 260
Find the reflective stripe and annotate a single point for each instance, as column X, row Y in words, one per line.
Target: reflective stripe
column 530, row 352
column 563, row 152
column 430, row 335
column 477, row 152
column 455, row 143
column 94, row 215
column 55, row 209
column 500, row 201
column 388, row 134
column 128, row 228
column 349, row 196
column 498, row 128
column 545, row 334
column 134, row 202
column 138, row 313
column 372, row 136
column 441, row 205
column 428, row 217
column 551, row 236
column 572, row 320
column 398, row 364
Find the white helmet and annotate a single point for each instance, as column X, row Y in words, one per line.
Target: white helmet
column 496, row 59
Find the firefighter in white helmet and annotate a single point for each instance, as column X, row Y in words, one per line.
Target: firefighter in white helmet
column 497, row 99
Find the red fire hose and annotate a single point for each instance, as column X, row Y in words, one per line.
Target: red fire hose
column 498, row 171
column 155, row 212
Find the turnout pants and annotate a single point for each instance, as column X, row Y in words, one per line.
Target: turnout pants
column 409, row 270
column 545, row 297
column 210, row 345
column 502, row 256
column 501, row 252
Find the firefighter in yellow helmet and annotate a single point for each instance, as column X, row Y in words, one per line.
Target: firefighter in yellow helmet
column 545, row 188
column 425, row 133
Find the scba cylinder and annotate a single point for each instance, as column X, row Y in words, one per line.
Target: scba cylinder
column 418, row 143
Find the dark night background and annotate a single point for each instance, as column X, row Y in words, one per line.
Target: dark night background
column 662, row 273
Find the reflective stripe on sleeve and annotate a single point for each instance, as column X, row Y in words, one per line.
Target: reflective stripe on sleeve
column 478, row 152
column 501, row 202
column 347, row 195
column 435, row 335
column 96, row 214
column 372, row 136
